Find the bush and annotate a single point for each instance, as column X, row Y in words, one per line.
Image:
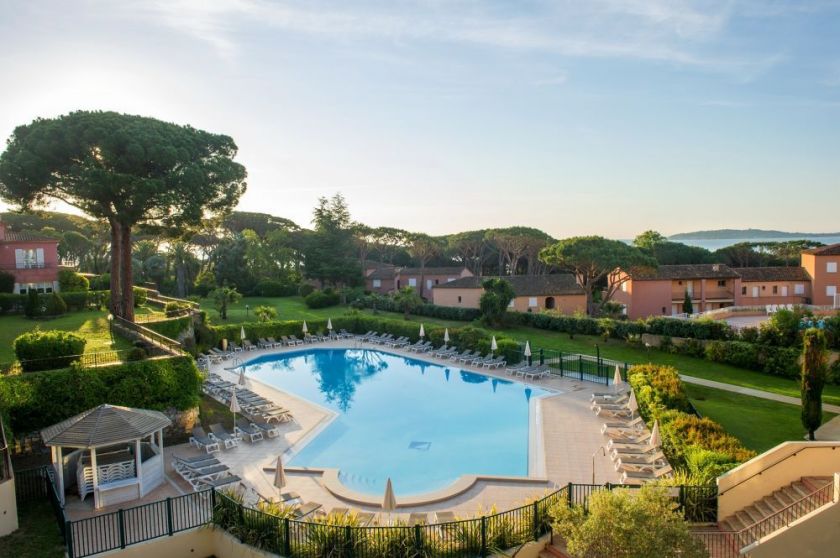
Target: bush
column 33, row 307
column 305, row 290
column 321, row 299
column 54, row 305
column 271, row 287
column 775, row 361
column 140, row 296
column 70, row 281
column 265, row 313
column 46, row 350
column 172, row 308
column 204, row 283
column 388, row 304
column 171, row 327
column 101, row 282
column 34, row 401
column 7, row 282
column 12, row 303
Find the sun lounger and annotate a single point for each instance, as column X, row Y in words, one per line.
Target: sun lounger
column 637, row 423
column 294, row 340
column 608, row 412
column 218, row 432
column 424, row 348
column 180, row 463
column 444, row 517
column 247, row 430
column 270, row 430
column 232, row 346
column 274, row 342
column 536, row 372
column 201, row 440
column 304, row 509
column 627, row 437
column 418, row 518
column 223, row 355
column 511, row 370
column 497, row 362
column 607, row 398
column 218, row 482
column 365, row 518
column 344, row 334
column 470, row 357
column 636, row 462
column 637, row 449
column 248, row 346
column 661, row 472
column 457, row 356
column 196, row 477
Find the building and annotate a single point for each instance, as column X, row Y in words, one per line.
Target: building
column 772, row 285
column 386, row 279
column 533, row 293
column 661, row 291
column 822, row 265
column 32, row 259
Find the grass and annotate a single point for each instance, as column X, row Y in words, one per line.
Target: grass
column 759, row 423
column 90, row 324
column 37, row 536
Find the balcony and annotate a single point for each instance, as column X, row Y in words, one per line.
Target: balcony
column 29, row 265
column 711, row 295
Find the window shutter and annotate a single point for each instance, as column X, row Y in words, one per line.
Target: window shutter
column 18, row 258
column 39, row 256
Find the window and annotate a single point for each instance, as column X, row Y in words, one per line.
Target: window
column 831, row 290
column 775, row 289
column 429, row 284
column 624, row 287
column 412, row 282
column 450, row 279
column 38, row 287
column 743, row 290
column 377, row 283
column 831, row 267
column 763, row 287
column 437, row 282
column 459, row 299
column 29, row 258
column 799, row 289
column 722, row 283
column 532, row 301
column 663, row 310
column 511, row 304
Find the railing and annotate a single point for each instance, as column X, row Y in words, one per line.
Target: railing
column 98, row 358
column 782, row 460
column 39, row 483
column 786, row 515
column 303, row 539
column 719, row 544
column 582, row 367
column 153, row 337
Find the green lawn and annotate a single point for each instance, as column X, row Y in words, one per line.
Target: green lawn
column 90, row 324
column 759, row 423
column 37, row 536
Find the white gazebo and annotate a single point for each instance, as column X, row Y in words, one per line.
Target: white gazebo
column 116, row 452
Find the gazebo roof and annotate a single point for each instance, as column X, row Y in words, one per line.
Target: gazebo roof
column 104, row 425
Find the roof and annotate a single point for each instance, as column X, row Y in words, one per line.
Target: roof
column 524, row 285
column 432, row 271
column 13, row 236
column 689, row 271
column 104, row 425
column 830, row 250
column 773, row 274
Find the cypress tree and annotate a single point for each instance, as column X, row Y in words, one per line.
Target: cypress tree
column 814, row 371
column 688, row 306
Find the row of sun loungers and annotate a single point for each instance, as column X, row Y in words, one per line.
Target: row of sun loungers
column 203, row 471
column 629, row 444
column 256, row 407
column 530, row 372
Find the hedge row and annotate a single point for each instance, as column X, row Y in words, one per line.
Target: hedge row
column 387, row 304
column 170, row 327
column 34, row 401
column 467, row 337
column 699, row 445
column 621, row 329
column 15, row 303
column 45, row 350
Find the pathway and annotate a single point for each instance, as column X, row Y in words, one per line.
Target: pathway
column 753, row 392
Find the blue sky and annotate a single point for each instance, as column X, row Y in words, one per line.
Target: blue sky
column 593, row 117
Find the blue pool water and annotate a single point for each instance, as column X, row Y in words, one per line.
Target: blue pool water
column 421, row 424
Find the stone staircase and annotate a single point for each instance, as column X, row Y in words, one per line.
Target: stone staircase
column 554, row 549
column 774, row 503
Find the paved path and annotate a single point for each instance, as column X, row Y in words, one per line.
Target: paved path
column 753, row 392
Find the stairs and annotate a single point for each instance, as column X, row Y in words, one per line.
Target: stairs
column 773, row 503
column 554, row 549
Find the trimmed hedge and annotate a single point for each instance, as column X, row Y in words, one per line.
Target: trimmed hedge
column 387, row 304
column 775, row 361
column 37, row 400
column 47, row 350
column 467, row 337
column 171, row 327
column 699, row 445
column 14, row 303
column 322, row 299
column 70, row 281
column 272, row 287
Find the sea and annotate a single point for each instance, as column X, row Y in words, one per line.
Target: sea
column 713, row 244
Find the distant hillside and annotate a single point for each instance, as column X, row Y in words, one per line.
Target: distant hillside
column 751, row 234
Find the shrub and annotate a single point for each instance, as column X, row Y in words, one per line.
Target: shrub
column 34, row 401
column 271, row 287
column 32, row 308
column 54, row 305
column 7, row 282
column 12, row 303
column 135, row 354
column 46, row 350
column 171, row 327
column 173, row 308
column 140, row 296
column 204, row 283
column 70, row 281
column 388, row 304
column 101, row 282
column 305, row 290
column 265, row 313
column 776, row 361
column 321, row 299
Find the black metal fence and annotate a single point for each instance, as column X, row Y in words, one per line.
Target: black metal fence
column 37, row 484
column 153, row 338
column 582, row 367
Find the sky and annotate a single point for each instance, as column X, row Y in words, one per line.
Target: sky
column 604, row 117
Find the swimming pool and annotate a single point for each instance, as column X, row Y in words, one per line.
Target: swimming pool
column 419, row 423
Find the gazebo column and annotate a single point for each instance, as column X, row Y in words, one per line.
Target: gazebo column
column 58, row 465
column 138, row 465
column 95, row 471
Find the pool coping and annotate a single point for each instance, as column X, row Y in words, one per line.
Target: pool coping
column 330, row 475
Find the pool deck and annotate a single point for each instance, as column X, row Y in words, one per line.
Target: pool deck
column 570, row 436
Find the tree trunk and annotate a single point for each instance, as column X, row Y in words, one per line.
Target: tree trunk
column 126, row 278
column 181, row 279
column 116, row 290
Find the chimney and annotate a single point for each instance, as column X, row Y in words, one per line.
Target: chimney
column 716, row 267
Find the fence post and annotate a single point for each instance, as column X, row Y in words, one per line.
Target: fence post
column 536, row 520
column 169, row 515
column 483, row 551
column 569, row 494
column 580, row 366
column 418, row 539
column 287, row 544
column 121, row 520
column 68, row 538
